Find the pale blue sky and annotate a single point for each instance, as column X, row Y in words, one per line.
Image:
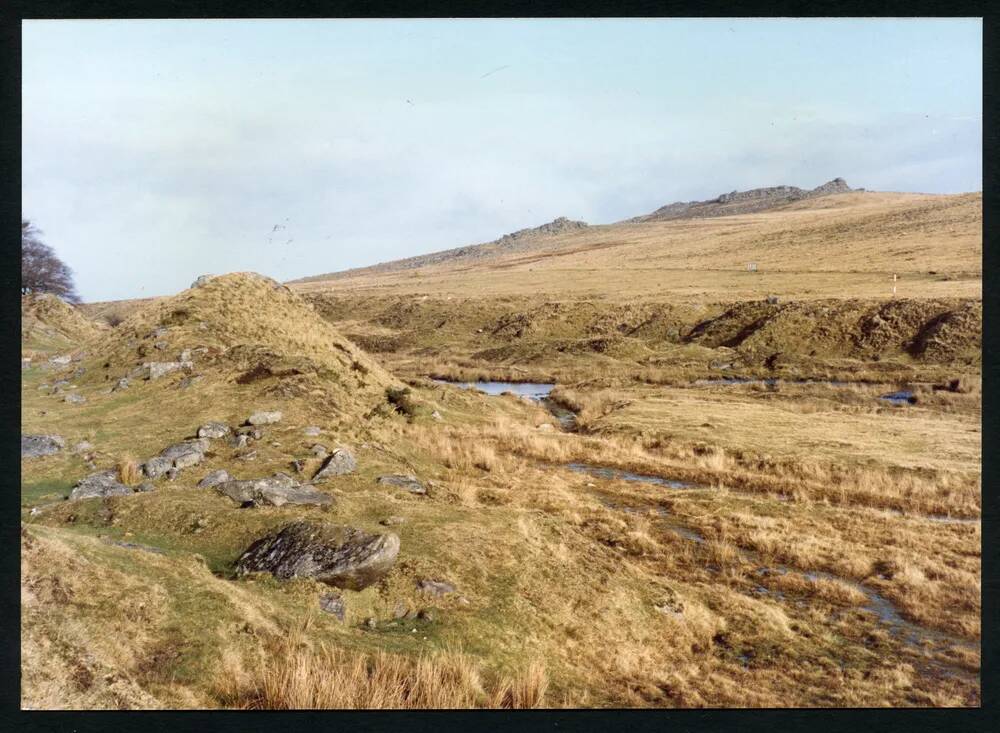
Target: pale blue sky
column 155, row 151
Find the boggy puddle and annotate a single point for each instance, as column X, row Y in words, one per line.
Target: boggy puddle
column 929, row 645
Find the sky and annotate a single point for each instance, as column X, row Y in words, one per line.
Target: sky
column 156, row 151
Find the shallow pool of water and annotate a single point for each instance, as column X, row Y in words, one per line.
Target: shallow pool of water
column 534, row 390
column 615, row 473
column 902, row 397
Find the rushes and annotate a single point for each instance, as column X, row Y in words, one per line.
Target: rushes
column 297, row 677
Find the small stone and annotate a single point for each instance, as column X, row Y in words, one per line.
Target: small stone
column 312, row 430
column 76, row 399
column 333, row 603
column 185, row 355
column 392, row 521
column 371, row 623
column 214, row 478
column 239, row 441
column 213, row 430
column 161, row 345
column 264, row 418
column 250, row 455
column 340, row 462
column 320, row 451
column 401, row 481
column 156, row 467
column 299, row 465
column 120, row 384
column 146, row 486
column 435, row 588
column 188, row 381
column 436, row 415
column 60, row 360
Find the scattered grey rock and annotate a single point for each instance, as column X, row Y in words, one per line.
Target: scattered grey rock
column 371, row 623
column 277, row 490
column 192, row 445
column 82, row 447
column 121, row 384
column 185, row 355
column 60, row 360
column 103, row 483
column 161, row 345
column 340, row 462
column 137, row 546
column 344, row 557
column 312, row 430
column 407, row 482
column 264, row 418
column 146, row 486
column 157, row 466
column 436, row 415
column 213, row 430
column 188, row 381
column 239, row 441
column 299, row 465
column 392, row 521
column 773, row 300
column 320, row 451
column 202, row 279
column 158, row 331
column 157, row 369
column 35, row 446
column 188, row 459
column 248, row 456
column 75, row 399
column 79, row 372
column 214, row 478
column 435, row 588
column 333, row 603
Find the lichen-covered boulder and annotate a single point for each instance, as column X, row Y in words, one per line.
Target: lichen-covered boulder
column 35, row 446
column 100, row 484
column 344, row 557
column 340, row 462
column 214, row 478
column 213, row 430
column 410, row 483
column 277, row 490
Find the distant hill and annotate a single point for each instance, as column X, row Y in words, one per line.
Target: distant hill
column 744, row 202
column 517, row 241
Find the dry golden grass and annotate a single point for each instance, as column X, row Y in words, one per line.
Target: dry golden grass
column 296, row 677
column 129, row 470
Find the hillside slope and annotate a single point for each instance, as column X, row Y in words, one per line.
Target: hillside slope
column 838, row 245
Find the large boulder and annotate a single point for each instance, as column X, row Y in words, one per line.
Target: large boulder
column 100, row 484
column 410, row 483
column 344, row 557
column 177, row 456
column 157, row 466
column 340, row 462
column 277, row 490
column 34, row 446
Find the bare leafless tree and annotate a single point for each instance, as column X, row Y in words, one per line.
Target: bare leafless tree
column 41, row 270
